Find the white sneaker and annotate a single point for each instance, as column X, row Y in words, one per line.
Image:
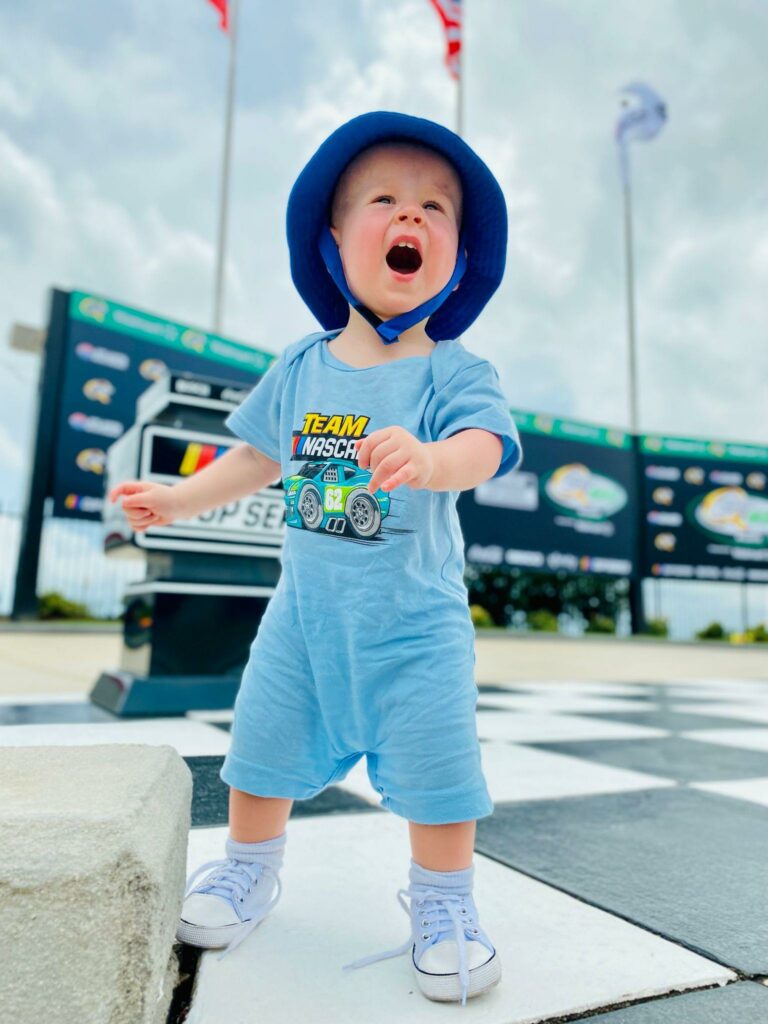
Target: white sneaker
column 228, row 903
column 451, row 955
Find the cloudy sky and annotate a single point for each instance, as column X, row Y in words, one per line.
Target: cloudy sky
column 111, row 119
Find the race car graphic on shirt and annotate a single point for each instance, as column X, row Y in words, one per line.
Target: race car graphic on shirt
column 333, row 496
column 329, row 493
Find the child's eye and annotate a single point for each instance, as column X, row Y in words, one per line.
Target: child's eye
column 430, row 202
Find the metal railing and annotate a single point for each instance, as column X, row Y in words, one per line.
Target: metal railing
column 72, row 563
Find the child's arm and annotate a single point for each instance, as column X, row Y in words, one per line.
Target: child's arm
column 240, row 471
column 464, row 460
column 457, row 463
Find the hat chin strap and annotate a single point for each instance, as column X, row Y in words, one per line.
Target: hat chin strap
column 388, row 330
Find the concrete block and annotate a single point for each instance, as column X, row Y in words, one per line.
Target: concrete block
column 93, row 846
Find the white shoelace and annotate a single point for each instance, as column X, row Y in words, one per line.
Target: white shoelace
column 443, row 906
column 231, row 879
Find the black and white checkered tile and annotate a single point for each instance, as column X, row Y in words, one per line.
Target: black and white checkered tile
column 623, row 875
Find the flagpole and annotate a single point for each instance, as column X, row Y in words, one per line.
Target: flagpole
column 218, row 299
column 634, row 424
column 635, row 595
column 643, row 119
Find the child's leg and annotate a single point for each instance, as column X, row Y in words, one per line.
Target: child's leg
column 255, row 819
column 443, row 847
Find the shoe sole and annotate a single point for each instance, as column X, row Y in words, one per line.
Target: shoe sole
column 445, row 988
column 210, row 938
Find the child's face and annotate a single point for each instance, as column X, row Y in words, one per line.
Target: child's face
column 392, row 190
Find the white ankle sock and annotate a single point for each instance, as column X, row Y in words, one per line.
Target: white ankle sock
column 448, row 881
column 270, row 851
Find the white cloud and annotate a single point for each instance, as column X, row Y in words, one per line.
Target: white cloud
column 13, row 101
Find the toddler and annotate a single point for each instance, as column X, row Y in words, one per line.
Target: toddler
column 397, row 235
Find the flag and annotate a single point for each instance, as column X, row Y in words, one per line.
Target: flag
column 450, row 15
column 644, row 118
column 221, row 7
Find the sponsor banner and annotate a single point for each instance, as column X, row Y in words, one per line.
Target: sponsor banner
column 113, row 354
column 705, row 509
column 570, row 505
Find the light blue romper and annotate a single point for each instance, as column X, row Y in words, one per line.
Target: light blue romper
column 367, row 644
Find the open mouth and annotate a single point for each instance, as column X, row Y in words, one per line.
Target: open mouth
column 403, row 259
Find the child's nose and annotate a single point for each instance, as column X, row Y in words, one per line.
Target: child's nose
column 413, row 210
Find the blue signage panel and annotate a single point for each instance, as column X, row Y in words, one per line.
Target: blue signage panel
column 112, row 354
column 570, row 505
column 705, row 509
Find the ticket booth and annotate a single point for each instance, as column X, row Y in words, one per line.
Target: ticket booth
column 188, row 625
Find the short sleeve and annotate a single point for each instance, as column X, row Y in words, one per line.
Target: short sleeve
column 257, row 419
column 473, row 398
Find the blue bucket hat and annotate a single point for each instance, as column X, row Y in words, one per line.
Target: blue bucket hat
column 316, row 266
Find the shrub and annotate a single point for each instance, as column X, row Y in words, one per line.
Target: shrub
column 480, row 616
column 541, row 619
column 54, row 606
column 657, row 627
column 755, row 635
column 601, row 624
column 714, row 631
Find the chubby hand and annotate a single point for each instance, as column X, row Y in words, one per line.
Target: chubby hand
column 395, row 457
column 146, row 504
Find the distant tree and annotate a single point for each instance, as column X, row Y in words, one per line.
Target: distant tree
column 504, row 590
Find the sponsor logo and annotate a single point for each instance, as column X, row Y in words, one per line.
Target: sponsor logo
column 99, row 389
column 103, row 356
